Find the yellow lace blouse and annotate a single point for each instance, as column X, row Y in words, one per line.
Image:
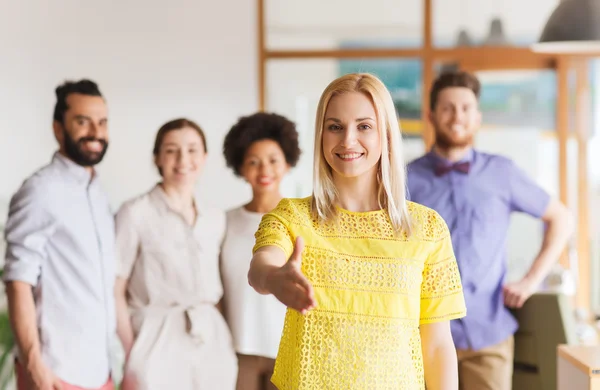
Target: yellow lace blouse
column 373, row 289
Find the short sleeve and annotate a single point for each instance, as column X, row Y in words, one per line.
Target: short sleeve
column 27, row 233
column 525, row 194
column 126, row 240
column 273, row 230
column 441, row 289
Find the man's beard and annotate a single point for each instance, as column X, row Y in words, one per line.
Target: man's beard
column 76, row 152
column 445, row 141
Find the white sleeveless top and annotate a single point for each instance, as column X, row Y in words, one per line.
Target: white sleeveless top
column 255, row 320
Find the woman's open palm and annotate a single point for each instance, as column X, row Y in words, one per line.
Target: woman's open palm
column 289, row 285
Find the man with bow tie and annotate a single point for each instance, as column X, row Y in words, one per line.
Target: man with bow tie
column 475, row 193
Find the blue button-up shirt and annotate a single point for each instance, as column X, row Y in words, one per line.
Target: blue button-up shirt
column 477, row 207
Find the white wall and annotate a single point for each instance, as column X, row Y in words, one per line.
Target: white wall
column 154, row 61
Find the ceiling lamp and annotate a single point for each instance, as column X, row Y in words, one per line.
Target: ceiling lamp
column 496, row 36
column 573, row 27
column 463, row 38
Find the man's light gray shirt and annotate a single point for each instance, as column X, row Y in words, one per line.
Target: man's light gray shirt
column 60, row 239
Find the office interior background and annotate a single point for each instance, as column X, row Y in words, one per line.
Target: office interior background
column 214, row 61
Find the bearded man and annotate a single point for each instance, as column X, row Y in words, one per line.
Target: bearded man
column 60, row 262
column 476, row 193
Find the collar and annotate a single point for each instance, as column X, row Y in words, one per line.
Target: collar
column 160, row 197
column 78, row 172
column 436, row 159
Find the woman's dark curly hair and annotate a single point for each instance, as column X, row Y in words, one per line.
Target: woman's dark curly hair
column 258, row 127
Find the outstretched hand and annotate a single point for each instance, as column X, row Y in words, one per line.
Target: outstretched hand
column 289, row 285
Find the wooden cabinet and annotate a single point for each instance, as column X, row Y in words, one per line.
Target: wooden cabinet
column 578, row 367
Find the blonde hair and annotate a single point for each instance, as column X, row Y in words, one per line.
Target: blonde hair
column 391, row 174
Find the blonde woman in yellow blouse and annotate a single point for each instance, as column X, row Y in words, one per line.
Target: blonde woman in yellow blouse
column 370, row 279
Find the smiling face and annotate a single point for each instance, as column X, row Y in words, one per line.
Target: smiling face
column 264, row 166
column 351, row 139
column 181, row 157
column 83, row 132
column 456, row 117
